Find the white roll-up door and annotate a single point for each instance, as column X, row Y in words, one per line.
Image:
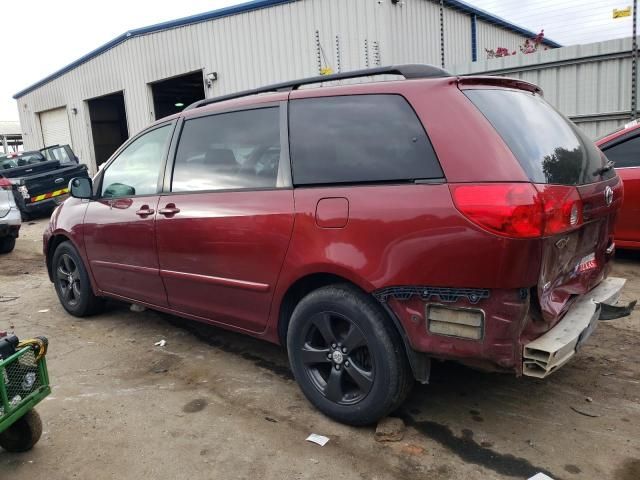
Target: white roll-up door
column 55, row 127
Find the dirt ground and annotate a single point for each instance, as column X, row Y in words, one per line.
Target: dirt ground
column 213, row 404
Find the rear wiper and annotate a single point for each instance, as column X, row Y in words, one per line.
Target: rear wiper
column 607, row 166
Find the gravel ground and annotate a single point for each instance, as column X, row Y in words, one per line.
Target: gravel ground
column 213, row 404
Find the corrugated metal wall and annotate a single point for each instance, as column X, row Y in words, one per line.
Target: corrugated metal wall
column 248, row 50
column 415, row 32
column 591, row 84
column 457, row 37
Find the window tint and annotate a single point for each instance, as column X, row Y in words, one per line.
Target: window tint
column 549, row 147
column 229, row 151
column 135, row 171
column 358, row 138
column 625, row 154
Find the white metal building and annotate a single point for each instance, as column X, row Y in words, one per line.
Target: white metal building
column 96, row 102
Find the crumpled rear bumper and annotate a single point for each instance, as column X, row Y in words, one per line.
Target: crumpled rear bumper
column 553, row 349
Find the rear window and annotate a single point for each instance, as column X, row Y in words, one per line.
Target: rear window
column 358, row 139
column 548, row 146
column 58, row 153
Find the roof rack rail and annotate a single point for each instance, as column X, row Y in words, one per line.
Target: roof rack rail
column 408, row 71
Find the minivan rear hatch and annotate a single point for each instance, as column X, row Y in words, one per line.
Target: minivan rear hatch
column 562, row 161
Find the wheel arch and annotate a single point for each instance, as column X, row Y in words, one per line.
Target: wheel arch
column 52, row 244
column 420, row 362
column 56, row 239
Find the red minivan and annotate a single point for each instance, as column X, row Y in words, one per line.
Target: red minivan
column 368, row 227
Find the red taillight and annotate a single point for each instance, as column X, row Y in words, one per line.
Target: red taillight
column 562, row 208
column 519, row 210
column 5, row 184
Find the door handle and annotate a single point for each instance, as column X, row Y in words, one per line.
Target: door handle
column 144, row 211
column 170, row 209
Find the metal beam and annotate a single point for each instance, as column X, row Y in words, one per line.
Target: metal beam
column 555, row 63
column 600, row 117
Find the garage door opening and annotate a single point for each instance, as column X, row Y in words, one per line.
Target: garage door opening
column 174, row 94
column 55, row 127
column 108, row 125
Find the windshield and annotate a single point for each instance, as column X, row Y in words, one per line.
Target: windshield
column 549, row 147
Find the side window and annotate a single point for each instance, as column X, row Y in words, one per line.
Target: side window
column 358, row 138
column 136, row 169
column 625, row 154
column 57, row 153
column 228, row 151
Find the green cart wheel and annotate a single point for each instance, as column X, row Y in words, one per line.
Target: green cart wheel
column 23, row 434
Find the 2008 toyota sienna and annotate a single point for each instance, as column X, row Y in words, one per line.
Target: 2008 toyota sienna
column 368, row 227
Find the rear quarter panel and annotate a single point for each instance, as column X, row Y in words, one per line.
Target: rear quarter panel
column 399, row 235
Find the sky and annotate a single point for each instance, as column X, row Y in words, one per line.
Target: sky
column 41, row 36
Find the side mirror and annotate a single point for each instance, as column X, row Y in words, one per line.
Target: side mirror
column 81, row 187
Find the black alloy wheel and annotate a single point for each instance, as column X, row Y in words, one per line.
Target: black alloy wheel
column 68, row 279
column 337, row 359
column 347, row 356
column 71, row 280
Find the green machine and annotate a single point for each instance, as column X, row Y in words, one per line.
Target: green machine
column 24, row 382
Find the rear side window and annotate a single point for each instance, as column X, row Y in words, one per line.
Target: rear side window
column 625, row 154
column 358, row 138
column 548, row 146
column 234, row 150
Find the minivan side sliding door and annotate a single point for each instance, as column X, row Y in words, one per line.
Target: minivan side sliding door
column 225, row 218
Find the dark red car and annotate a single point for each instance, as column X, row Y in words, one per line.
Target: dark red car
column 368, row 227
column 623, row 148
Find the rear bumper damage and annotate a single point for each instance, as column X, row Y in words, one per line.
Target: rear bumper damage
column 553, row 349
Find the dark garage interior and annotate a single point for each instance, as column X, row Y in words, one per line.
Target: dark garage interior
column 108, row 125
column 174, row 94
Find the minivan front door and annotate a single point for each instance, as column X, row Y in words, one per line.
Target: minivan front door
column 224, row 229
column 120, row 225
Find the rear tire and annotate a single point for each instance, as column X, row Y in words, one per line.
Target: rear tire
column 72, row 283
column 7, row 244
column 347, row 356
column 23, row 434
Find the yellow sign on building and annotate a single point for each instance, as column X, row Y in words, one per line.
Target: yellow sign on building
column 621, row 12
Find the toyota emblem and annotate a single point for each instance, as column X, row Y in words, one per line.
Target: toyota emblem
column 608, row 195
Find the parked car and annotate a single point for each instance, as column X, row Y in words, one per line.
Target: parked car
column 368, row 227
column 623, row 148
column 10, row 220
column 40, row 178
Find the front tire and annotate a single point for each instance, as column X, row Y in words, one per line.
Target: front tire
column 23, row 434
column 72, row 283
column 347, row 356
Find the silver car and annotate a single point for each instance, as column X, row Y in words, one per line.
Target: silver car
column 9, row 217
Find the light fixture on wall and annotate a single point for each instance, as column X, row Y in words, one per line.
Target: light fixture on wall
column 210, row 78
column 74, row 110
column 179, row 104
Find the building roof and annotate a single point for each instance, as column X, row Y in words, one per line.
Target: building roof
column 247, row 7
column 8, row 127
